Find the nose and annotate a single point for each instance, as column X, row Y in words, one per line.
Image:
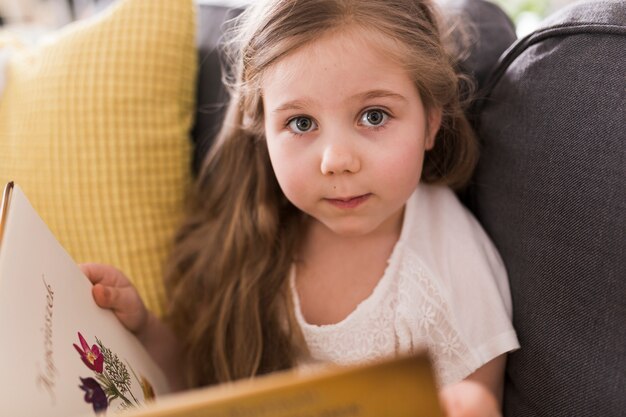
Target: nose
column 339, row 159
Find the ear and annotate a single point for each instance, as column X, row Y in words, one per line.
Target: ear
column 434, row 123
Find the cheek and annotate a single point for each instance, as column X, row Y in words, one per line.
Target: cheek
column 402, row 167
column 290, row 171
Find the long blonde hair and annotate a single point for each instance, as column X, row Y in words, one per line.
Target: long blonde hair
column 227, row 279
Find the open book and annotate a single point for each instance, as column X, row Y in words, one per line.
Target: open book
column 61, row 355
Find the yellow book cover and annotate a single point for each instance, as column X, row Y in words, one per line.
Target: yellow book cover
column 394, row 387
column 61, row 355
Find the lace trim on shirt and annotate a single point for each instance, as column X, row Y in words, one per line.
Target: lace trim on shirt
column 368, row 337
column 428, row 321
column 410, row 315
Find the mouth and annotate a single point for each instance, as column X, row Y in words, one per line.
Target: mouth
column 349, row 202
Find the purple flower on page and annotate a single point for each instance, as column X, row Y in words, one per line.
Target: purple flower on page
column 92, row 357
column 94, row 394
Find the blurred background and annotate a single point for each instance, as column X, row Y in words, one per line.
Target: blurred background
column 528, row 13
column 37, row 16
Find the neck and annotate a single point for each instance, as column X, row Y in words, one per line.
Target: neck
column 320, row 239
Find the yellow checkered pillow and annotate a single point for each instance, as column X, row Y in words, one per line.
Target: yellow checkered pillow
column 95, row 127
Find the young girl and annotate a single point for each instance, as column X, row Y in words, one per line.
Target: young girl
column 322, row 227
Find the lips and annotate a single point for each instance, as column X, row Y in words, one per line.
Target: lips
column 349, row 202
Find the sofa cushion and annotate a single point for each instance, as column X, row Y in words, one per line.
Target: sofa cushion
column 212, row 96
column 550, row 189
column 482, row 31
column 94, row 126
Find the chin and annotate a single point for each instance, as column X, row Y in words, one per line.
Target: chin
column 350, row 229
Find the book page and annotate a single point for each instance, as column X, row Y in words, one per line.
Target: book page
column 61, row 355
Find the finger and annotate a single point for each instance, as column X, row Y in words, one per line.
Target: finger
column 101, row 295
column 124, row 302
column 134, row 320
column 103, row 274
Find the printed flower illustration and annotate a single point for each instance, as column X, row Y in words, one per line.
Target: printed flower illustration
column 146, row 387
column 94, row 394
column 111, row 384
column 92, row 357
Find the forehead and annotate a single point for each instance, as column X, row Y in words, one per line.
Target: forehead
column 339, row 62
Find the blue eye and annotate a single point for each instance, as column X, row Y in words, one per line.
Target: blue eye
column 301, row 124
column 374, row 118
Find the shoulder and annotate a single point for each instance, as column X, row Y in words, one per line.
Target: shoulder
column 454, row 286
column 452, row 244
column 436, row 217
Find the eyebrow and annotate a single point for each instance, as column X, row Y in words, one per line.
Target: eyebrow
column 367, row 95
column 380, row 94
column 290, row 105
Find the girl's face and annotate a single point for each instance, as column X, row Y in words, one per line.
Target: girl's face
column 346, row 132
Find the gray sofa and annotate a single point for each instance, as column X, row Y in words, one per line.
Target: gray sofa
column 550, row 189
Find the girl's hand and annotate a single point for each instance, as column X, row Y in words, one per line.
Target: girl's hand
column 112, row 290
column 469, row 399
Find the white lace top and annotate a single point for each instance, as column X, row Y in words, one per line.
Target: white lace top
column 444, row 288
